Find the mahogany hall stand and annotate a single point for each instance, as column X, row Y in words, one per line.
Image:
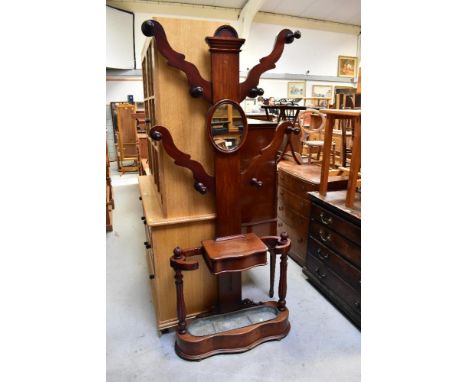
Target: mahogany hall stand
column 231, row 251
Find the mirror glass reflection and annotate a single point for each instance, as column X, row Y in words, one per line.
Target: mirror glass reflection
column 227, row 126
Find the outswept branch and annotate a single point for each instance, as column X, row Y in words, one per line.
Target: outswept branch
column 203, row 181
column 199, row 87
column 267, row 153
column 286, row 36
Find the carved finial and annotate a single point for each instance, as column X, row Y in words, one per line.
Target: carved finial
column 156, row 135
column 254, row 92
column 177, row 253
column 196, row 91
column 291, row 36
column 148, row 28
column 200, row 187
column 284, row 237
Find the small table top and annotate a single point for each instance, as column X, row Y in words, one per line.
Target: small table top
column 234, row 253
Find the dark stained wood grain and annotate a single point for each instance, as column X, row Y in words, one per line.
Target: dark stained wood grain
column 266, row 63
column 183, row 159
column 152, row 28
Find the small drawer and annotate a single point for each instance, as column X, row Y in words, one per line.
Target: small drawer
column 340, row 289
column 296, row 185
column 298, row 241
column 340, row 266
column 299, row 222
column 336, row 223
column 336, row 242
column 286, row 199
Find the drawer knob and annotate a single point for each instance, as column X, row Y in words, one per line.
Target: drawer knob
column 325, row 237
column 255, row 182
column 151, row 277
column 321, row 255
column 320, row 275
column 326, row 219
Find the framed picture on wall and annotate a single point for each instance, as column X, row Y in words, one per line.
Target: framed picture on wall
column 296, row 89
column 347, row 66
column 322, row 91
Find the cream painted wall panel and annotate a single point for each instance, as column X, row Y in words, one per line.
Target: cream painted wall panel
column 118, row 90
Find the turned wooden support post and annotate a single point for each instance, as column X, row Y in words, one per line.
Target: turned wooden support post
column 181, row 313
column 179, row 264
column 272, row 271
column 283, row 277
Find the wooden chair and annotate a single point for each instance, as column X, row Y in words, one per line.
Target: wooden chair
column 306, row 121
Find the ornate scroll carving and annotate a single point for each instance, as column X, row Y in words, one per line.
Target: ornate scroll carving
column 203, row 181
column 199, row 87
column 249, row 86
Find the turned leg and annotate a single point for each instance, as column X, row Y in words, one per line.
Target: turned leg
column 181, row 313
column 179, row 264
column 283, row 277
column 272, row 272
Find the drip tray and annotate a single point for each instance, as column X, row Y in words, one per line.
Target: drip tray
column 234, row 320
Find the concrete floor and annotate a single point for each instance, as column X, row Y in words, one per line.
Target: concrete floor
column 322, row 345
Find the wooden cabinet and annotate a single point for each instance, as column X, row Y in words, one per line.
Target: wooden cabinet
column 294, row 182
column 163, row 234
column 175, row 214
column 333, row 262
column 127, row 137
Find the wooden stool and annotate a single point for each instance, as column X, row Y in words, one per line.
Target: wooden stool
column 355, row 116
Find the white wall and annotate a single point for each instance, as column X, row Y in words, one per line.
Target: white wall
column 118, row 90
column 316, row 50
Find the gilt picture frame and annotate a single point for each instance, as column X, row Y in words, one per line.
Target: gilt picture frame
column 296, row 89
column 347, row 66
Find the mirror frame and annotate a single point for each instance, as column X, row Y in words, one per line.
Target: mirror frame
column 209, row 117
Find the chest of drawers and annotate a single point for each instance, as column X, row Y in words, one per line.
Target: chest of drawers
column 294, row 182
column 333, row 260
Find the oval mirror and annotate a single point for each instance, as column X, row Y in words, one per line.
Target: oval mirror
column 227, row 126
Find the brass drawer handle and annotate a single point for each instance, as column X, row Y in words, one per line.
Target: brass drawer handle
column 324, row 237
column 320, row 276
column 321, row 255
column 326, row 219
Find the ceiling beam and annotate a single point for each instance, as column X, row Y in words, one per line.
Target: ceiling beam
column 247, row 16
column 176, row 9
column 303, row 22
